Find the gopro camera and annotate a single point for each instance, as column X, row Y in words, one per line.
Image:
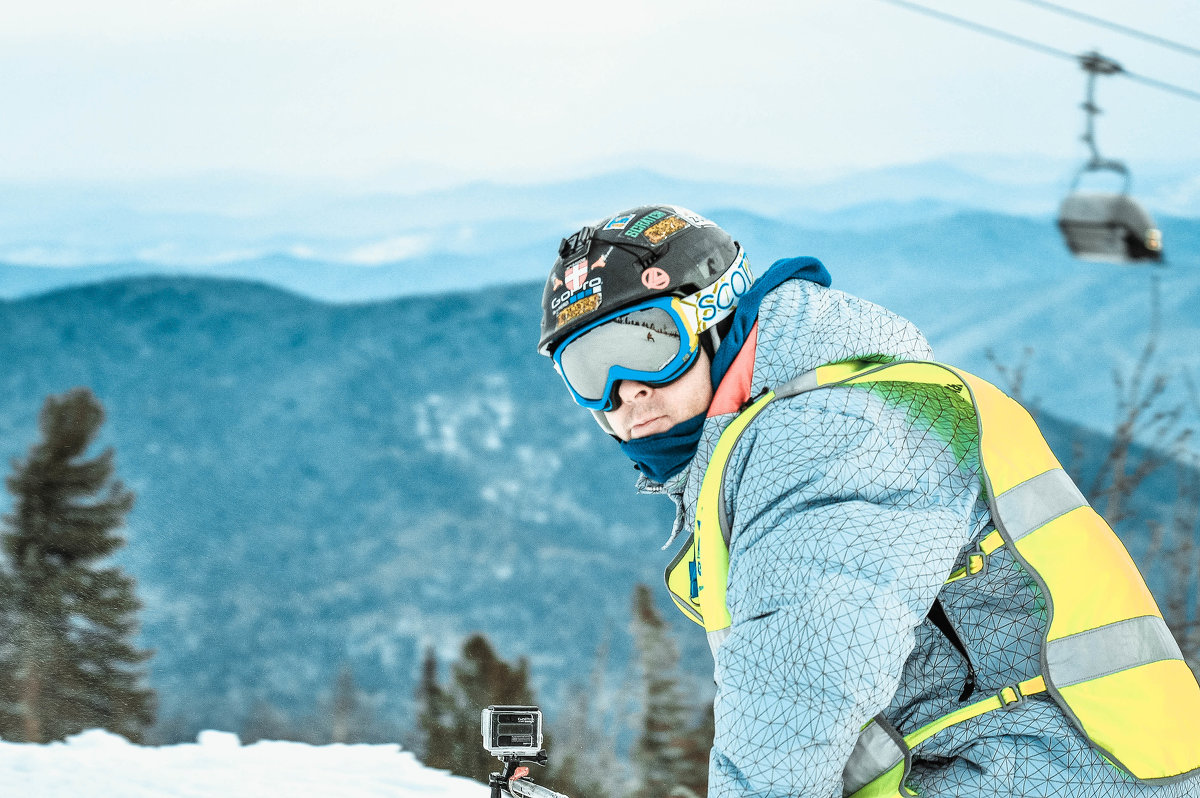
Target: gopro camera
column 512, row 731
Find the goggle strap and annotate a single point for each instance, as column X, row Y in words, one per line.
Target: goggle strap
column 693, row 308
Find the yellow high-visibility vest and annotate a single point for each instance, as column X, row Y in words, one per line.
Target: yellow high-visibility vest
column 1108, row 659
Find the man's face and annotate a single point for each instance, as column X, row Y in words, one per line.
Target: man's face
column 648, row 410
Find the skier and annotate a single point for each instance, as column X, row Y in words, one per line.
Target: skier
column 903, row 591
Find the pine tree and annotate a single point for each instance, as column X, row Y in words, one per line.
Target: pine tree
column 433, row 717
column 449, row 719
column 347, row 715
column 584, row 763
column 72, row 664
column 345, row 709
column 10, row 709
column 266, row 721
column 697, row 749
column 480, row 679
column 662, row 748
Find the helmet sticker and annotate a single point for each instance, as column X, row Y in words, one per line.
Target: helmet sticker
column 602, row 261
column 590, row 286
column 573, row 311
column 664, row 230
column 580, row 284
column 638, row 227
column 694, row 219
column 655, row 278
column 575, row 274
column 619, row 222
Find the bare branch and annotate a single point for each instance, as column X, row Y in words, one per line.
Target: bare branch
column 1013, row 376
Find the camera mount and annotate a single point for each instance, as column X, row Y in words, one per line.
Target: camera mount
column 499, row 782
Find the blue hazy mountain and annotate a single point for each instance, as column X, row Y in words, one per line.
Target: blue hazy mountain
column 303, row 236
column 918, row 238
column 322, row 483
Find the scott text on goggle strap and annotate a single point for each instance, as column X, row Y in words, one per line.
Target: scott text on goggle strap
column 707, row 306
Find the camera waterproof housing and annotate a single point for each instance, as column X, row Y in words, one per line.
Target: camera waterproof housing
column 512, row 731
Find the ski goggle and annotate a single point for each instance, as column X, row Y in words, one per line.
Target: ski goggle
column 653, row 342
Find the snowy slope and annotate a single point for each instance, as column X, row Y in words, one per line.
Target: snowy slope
column 217, row 765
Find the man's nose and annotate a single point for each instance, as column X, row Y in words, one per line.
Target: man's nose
column 628, row 390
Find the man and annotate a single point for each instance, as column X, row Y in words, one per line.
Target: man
column 903, row 592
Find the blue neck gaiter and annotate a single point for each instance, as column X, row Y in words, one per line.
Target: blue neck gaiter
column 665, row 454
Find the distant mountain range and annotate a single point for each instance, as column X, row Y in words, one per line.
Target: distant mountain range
column 974, row 280
column 208, row 226
column 320, row 484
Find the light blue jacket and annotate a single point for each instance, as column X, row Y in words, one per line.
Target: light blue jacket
column 850, row 506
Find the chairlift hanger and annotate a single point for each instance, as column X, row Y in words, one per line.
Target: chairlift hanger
column 1102, row 226
column 1095, row 64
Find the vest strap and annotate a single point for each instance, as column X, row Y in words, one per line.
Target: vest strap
column 879, row 749
column 879, row 772
column 1006, row 698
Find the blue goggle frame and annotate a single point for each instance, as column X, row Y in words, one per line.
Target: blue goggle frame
column 689, row 347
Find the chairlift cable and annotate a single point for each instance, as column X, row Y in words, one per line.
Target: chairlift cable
column 977, row 27
column 1104, row 23
column 1158, row 84
column 1104, row 226
column 1045, row 49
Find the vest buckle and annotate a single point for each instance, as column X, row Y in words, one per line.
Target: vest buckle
column 977, row 555
column 1017, row 696
column 977, row 560
column 976, row 565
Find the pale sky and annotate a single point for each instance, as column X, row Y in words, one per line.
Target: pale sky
column 526, row 89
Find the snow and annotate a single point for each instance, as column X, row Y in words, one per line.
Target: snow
column 101, row 763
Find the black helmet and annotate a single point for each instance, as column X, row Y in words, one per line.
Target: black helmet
column 627, row 258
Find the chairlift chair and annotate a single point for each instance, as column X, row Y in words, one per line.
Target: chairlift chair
column 1108, row 226
column 1105, row 226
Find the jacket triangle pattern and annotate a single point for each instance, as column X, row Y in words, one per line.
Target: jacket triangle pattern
column 852, row 509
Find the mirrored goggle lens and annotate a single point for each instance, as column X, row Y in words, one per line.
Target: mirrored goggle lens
column 644, row 341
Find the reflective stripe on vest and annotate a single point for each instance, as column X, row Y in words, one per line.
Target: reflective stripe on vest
column 1108, row 659
column 698, row 593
